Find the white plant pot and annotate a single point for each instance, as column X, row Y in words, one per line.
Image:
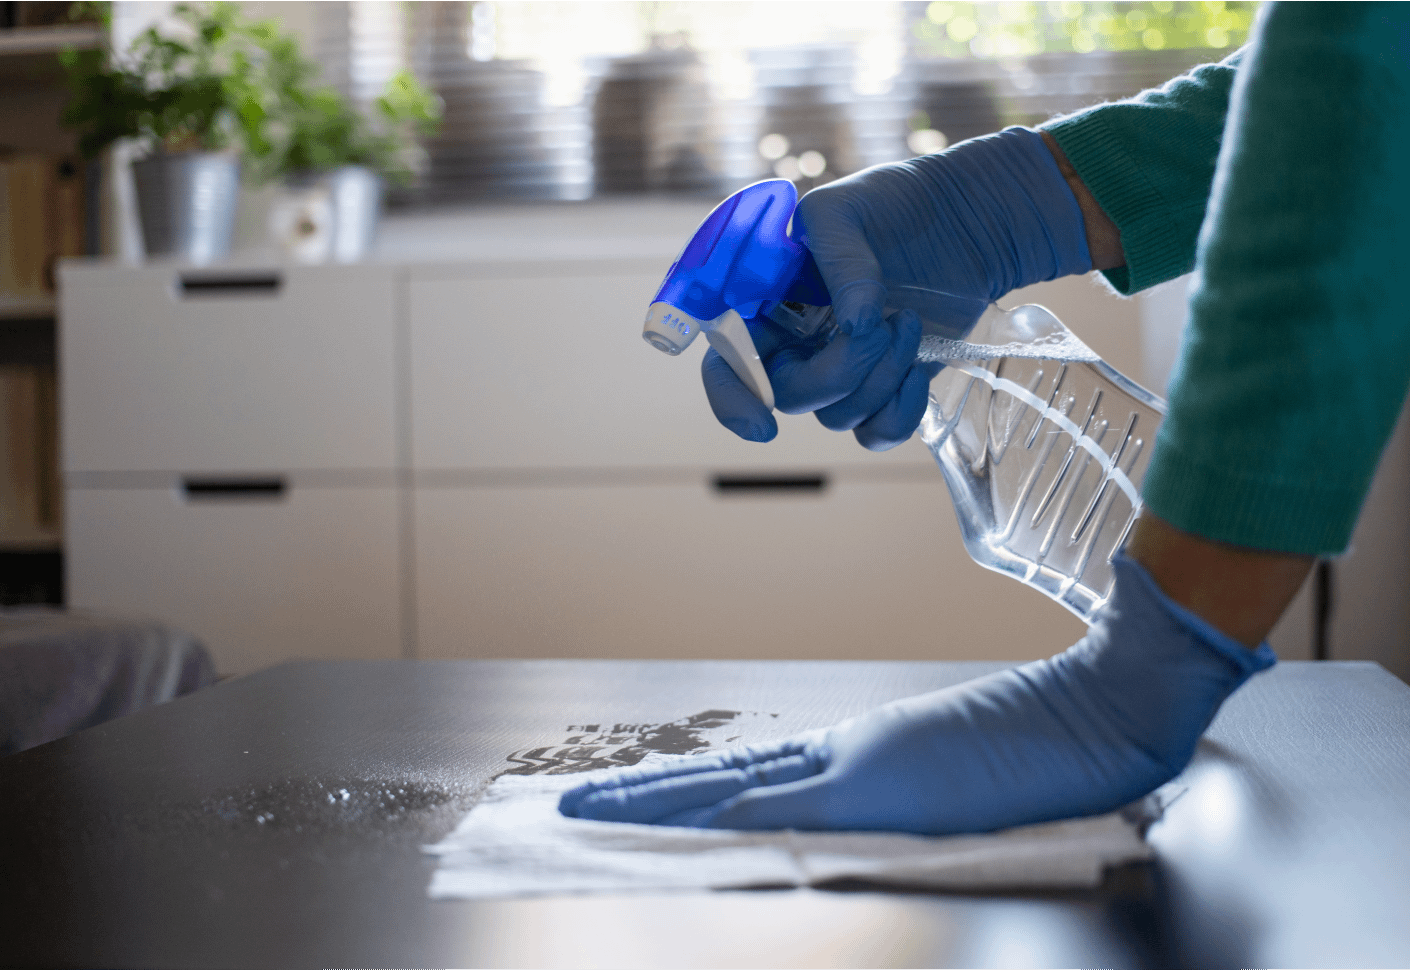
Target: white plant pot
column 328, row 216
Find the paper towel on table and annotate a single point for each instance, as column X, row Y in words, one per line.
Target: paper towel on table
column 514, row 842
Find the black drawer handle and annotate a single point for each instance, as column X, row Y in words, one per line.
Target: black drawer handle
column 217, row 489
column 769, row 484
column 229, row 284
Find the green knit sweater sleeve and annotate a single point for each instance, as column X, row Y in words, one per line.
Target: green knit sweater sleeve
column 1149, row 162
column 1296, row 354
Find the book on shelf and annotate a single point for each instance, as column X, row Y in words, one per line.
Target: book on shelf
column 41, row 221
column 29, row 461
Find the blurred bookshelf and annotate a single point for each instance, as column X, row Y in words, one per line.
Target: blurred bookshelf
column 45, row 197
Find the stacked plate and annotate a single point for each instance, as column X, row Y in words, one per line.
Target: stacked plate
column 498, row 139
column 652, row 126
column 806, row 96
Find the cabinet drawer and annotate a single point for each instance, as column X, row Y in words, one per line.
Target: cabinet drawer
column 858, row 570
column 290, row 368
column 260, row 576
column 550, row 371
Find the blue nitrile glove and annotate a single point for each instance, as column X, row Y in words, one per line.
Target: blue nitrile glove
column 1083, row 732
column 985, row 217
column 868, row 383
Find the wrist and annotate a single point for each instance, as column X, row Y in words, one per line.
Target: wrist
column 1102, row 235
column 1247, row 658
column 1152, row 673
column 1010, row 184
column 1239, row 591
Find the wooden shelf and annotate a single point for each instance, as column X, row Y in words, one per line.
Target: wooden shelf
column 29, row 55
column 38, row 542
column 26, row 307
column 19, row 41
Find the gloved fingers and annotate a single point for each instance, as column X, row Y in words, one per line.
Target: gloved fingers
column 899, row 417
column 828, row 222
column 805, row 381
column 665, row 798
column 732, row 758
column 627, row 777
column 802, row 804
column 735, row 406
column 857, row 305
column 768, row 336
column 884, row 379
column 691, row 818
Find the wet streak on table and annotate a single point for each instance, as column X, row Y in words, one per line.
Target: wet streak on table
column 276, row 820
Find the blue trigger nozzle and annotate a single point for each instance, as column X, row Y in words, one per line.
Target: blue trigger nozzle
column 741, row 258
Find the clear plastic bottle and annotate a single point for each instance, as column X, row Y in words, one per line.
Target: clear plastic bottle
column 1042, row 443
column 1043, row 446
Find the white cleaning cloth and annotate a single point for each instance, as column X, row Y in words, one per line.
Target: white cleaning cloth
column 514, row 842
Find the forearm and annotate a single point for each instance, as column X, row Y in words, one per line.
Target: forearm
column 1241, row 592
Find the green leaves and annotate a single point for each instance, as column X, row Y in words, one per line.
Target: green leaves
column 316, row 129
column 174, row 93
column 222, row 81
column 406, row 101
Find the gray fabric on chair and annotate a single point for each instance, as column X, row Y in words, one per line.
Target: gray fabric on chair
column 61, row 672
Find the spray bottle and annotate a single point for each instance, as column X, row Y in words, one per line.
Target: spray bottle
column 1043, row 445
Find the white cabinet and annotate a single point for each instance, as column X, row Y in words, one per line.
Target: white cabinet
column 231, row 455
column 259, row 577
column 862, row 568
column 543, row 367
column 483, row 459
column 272, row 368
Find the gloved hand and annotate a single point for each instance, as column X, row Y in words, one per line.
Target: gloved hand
column 987, row 216
column 1083, row 732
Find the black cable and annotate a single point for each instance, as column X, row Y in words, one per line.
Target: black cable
column 1322, row 591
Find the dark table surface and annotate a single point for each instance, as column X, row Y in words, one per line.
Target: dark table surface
column 277, row 820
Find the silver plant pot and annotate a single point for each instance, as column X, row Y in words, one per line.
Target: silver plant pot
column 187, row 203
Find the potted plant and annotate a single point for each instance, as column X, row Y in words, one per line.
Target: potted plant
column 192, row 100
column 333, row 157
